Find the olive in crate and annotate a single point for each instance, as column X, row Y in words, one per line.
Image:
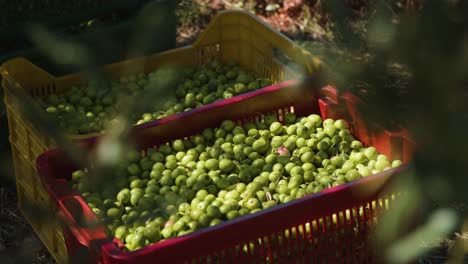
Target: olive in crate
column 227, row 172
column 87, row 109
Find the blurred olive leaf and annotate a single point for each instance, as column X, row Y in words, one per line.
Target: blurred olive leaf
column 439, row 224
column 46, row 125
column 60, row 51
column 148, row 21
column 433, row 53
column 65, row 52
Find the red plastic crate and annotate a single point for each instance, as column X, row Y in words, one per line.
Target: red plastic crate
column 347, row 240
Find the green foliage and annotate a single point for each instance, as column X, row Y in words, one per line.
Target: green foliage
column 188, row 12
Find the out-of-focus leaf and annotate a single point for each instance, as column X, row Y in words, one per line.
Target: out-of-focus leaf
column 394, row 222
column 60, row 51
column 64, row 52
column 46, row 125
column 409, row 248
column 116, row 141
column 150, row 19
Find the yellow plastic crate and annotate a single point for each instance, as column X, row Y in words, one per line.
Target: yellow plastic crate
column 37, row 208
column 49, row 232
column 231, row 35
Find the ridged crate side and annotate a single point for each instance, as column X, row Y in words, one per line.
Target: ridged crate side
column 25, row 172
column 37, row 211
